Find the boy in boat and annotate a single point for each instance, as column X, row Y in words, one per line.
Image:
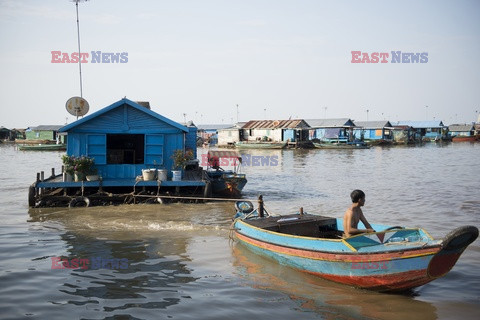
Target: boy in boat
column 355, row 214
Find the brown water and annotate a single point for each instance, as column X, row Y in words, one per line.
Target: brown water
column 180, row 263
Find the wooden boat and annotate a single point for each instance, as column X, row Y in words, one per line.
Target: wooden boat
column 42, row 147
column 34, row 141
column 391, row 259
column 260, row 145
column 341, row 145
column 466, row 138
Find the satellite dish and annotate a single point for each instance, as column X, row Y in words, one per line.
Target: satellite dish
column 77, row 106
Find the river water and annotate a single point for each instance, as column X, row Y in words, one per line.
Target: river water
column 176, row 261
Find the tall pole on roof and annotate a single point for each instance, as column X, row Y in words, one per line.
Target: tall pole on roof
column 237, row 113
column 426, row 112
column 79, row 55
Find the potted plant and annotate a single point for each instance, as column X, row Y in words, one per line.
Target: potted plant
column 180, row 159
column 83, row 165
column 68, row 167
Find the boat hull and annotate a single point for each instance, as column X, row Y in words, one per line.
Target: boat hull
column 260, row 145
column 42, row 147
column 466, row 138
column 227, row 183
column 396, row 268
column 348, row 146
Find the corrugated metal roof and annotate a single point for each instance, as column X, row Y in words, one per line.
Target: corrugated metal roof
column 213, row 126
column 119, row 104
column 460, row 127
column 373, row 124
column 275, row 124
column 330, row 123
column 420, row 124
column 46, row 128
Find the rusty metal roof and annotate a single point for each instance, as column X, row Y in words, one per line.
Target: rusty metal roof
column 275, row 124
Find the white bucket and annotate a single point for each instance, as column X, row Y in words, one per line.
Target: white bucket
column 148, row 174
column 162, row 174
column 176, row 175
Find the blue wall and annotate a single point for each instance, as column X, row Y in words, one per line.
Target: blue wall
column 162, row 137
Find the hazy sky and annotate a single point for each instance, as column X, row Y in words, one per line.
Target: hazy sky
column 274, row 58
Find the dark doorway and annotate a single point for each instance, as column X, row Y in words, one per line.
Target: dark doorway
column 125, row 148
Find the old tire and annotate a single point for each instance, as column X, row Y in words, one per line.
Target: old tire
column 79, row 202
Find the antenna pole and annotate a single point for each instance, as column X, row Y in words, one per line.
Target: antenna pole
column 79, row 56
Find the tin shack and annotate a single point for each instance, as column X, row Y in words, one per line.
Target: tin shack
column 374, row 132
column 331, row 130
column 125, row 140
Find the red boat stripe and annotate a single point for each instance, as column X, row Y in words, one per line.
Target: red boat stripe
column 342, row 257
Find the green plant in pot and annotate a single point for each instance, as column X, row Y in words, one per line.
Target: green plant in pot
column 68, row 164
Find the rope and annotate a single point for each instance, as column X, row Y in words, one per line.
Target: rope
column 193, row 198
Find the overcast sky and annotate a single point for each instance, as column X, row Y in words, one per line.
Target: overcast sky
column 275, row 59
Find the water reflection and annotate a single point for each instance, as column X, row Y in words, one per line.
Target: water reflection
column 157, row 265
column 324, row 297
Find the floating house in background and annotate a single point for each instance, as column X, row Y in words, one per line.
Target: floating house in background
column 208, row 133
column 228, row 137
column 280, row 132
column 424, row 130
column 331, row 130
column 464, row 132
column 43, row 134
column 374, row 132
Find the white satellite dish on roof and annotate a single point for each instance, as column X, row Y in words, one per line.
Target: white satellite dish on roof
column 77, row 106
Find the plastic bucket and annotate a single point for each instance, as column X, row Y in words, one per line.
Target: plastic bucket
column 148, row 174
column 162, row 174
column 176, row 175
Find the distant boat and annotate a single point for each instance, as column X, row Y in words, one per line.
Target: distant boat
column 390, row 259
column 225, row 182
column 466, row 138
column 42, row 147
column 341, row 145
column 260, row 145
column 34, row 141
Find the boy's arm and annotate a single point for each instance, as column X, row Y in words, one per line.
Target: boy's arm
column 365, row 222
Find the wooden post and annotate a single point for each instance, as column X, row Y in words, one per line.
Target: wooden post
column 260, row 206
column 42, row 176
column 53, row 173
column 301, row 210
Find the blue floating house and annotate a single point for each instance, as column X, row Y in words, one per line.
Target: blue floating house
column 374, row 131
column 425, row 130
column 126, row 137
column 331, row 130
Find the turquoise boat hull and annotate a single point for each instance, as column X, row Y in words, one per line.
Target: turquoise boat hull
column 388, row 260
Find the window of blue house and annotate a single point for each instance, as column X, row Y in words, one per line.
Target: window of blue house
column 125, row 148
